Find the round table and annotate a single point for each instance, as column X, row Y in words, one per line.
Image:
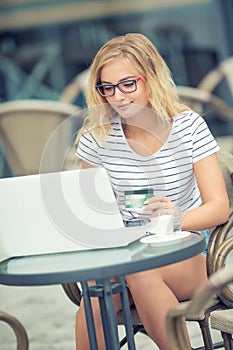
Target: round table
column 99, row 265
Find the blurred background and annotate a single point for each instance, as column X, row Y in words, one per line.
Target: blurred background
column 61, row 37
column 46, row 47
column 52, row 41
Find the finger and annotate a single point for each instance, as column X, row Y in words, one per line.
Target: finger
column 154, row 199
column 153, row 206
column 159, row 208
column 154, row 203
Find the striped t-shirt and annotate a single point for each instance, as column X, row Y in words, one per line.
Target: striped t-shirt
column 169, row 171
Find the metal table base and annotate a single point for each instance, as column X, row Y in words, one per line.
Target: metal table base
column 104, row 289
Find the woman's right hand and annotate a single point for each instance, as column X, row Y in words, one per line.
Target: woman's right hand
column 156, row 204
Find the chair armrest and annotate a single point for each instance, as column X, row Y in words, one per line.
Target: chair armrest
column 219, row 261
column 176, row 333
column 175, row 318
column 18, row 328
column 73, row 292
column 219, row 240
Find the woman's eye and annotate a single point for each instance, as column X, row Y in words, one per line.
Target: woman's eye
column 107, row 88
column 128, row 84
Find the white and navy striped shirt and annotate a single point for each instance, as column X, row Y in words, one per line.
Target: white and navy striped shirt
column 169, row 171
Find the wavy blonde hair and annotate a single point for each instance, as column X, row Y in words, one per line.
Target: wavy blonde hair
column 138, row 51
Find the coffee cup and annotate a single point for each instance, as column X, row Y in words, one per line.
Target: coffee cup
column 162, row 225
column 166, row 222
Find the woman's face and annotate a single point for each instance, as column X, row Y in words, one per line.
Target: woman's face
column 130, row 104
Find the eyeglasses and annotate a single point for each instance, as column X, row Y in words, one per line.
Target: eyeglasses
column 126, row 87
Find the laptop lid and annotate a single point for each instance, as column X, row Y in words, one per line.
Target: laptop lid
column 61, row 211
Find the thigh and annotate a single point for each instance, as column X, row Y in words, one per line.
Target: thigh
column 183, row 278
column 186, row 276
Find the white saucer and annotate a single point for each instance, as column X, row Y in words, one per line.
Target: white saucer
column 169, row 239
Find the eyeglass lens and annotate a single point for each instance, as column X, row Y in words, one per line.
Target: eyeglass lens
column 125, row 87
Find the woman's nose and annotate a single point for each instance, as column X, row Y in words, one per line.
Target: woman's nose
column 118, row 94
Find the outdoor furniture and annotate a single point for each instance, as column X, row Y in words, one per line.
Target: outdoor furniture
column 219, row 248
column 77, row 86
column 201, row 101
column 212, row 79
column 175, row 326
column 222, row 320
column 216, row 112
column 27, row 127
column 99, row 265
column 18, row 328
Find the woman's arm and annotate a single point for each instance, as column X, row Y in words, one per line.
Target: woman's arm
column 215, row 207
column 85, row 165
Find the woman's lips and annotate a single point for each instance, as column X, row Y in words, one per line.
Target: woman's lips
column 123, row 107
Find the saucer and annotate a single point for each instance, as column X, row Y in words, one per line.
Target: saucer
column 155, row 240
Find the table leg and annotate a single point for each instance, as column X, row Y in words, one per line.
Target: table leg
column 108, row 314
column 89, row 316
column 104, row 290
column 127, row 314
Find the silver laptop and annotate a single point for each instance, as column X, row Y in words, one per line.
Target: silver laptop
column 61, row 211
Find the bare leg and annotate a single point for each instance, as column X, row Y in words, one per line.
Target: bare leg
column 156, row 291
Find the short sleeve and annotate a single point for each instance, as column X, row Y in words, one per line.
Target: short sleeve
column 87, row 150
column 204, row 143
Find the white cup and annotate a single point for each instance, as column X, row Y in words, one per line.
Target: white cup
column 162, row 225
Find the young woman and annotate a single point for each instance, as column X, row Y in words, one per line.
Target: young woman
column 145, row 137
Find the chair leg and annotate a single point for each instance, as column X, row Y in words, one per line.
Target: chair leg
column 136, row 328
column 206, row 335
column 207, row 338
column 227, row 339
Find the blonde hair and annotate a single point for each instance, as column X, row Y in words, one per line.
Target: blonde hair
column 140, row 53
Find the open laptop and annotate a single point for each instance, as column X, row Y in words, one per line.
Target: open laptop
column 61, row 211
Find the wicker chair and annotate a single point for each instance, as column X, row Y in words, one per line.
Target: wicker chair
column 176, row 333
column 213, row 78
column 25, row 129
column 77, row 86
column 222, row 320
column 222, row 245
column 210, row 107
column 202, row 101
column 19, row 330
column 219, row 248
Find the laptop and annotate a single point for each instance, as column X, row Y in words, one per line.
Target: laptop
column 59, row 212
